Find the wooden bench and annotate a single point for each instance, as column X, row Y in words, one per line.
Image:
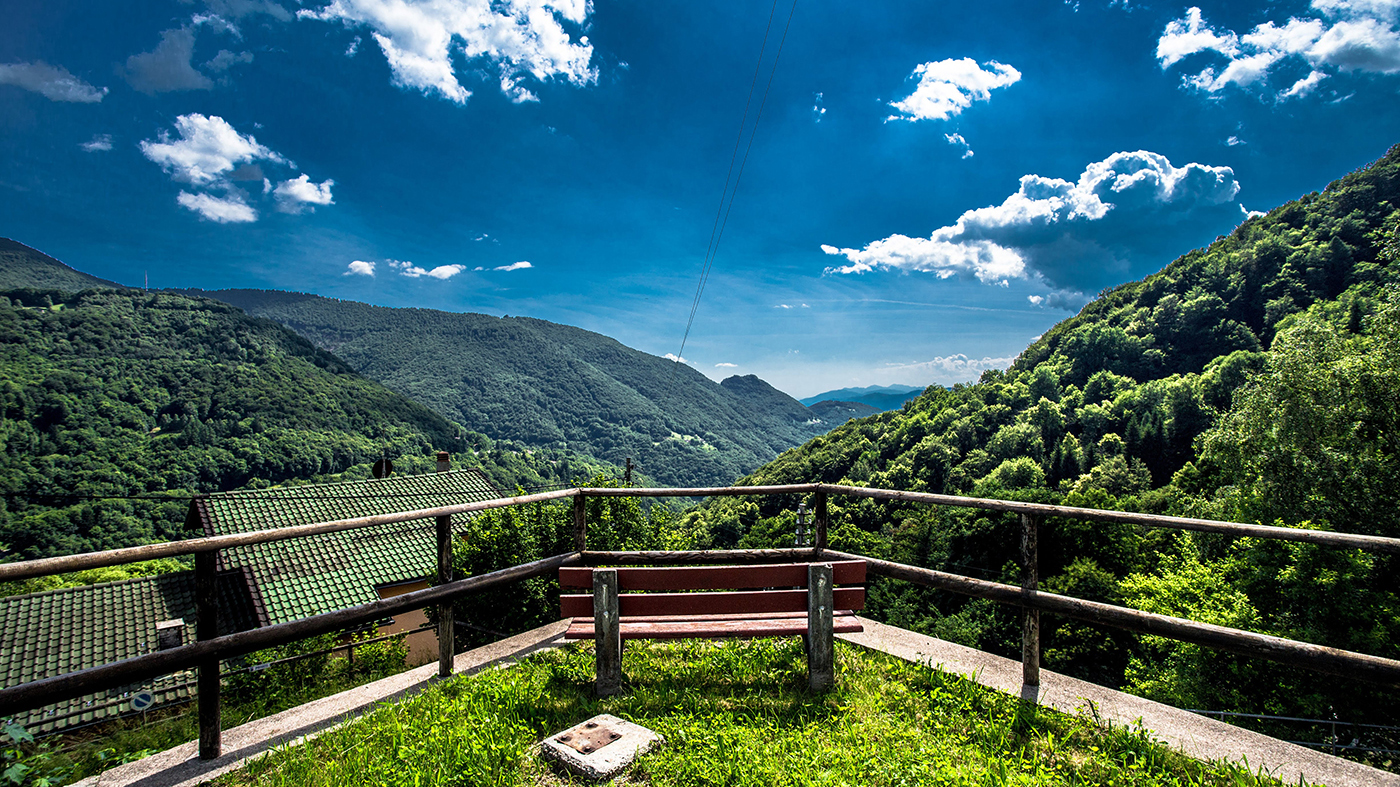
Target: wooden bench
column 779, row 600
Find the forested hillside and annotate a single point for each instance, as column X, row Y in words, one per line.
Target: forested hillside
column 1253, row 380
column 22, row 266
column 107, row 394
column 552, row 386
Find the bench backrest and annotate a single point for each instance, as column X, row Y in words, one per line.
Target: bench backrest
column 743, row 582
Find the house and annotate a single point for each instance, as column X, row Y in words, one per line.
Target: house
column 59, row 631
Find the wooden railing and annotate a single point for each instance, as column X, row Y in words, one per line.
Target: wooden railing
column 208, row 650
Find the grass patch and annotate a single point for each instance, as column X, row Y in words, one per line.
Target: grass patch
column 735, row 713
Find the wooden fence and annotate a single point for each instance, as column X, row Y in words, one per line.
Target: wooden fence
column 206, row 652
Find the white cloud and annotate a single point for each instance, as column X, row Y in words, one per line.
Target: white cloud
column 225, row 210
column 516, row 38
column 514, row 266
column 226, row 60
column 51, row 82
column 300, row 193
column 207, row 149
column 726, row 366
column 99, row 142
column 209, row 154
column 673, row 357
column 1345, row 35
column 947, row 87
column 413, row 271
column 817, row 109
column 957, row 141
column 952, row 367
column 167, row 67
column 1058, row 232
column 353, row 48
column 1189, row 35
column 792, row 306
column 360, row 268
column 1234, row 140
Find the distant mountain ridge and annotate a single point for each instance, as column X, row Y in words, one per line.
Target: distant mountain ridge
column 24, row 266
column 551, row 385
column 880, row 397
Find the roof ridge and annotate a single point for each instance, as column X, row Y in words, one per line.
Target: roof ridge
column 465, row 471
column 94, row 585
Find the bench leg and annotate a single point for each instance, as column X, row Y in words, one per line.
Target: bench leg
column 821, row 648
column 607, row 633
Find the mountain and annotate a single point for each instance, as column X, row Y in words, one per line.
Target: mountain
column 835, row 412
column 550, row 385
column 22, row 266
column 886, row 397
column 110, row 397
column 1253, row 380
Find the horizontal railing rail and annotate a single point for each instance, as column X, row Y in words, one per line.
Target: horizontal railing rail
column 206, row 653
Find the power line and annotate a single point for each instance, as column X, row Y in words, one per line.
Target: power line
column 717, row 229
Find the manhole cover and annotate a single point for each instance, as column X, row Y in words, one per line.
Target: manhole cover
column 600, row 747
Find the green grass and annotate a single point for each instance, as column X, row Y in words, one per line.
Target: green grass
column 735, row 713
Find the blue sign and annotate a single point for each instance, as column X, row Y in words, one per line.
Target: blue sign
column 142, row 700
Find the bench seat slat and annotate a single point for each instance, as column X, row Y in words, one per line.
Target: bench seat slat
column 644, row 604
column 648, row 628
column 844, row 572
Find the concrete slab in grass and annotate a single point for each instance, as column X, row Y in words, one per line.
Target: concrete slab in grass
column 1192, row 734
column 599, row 748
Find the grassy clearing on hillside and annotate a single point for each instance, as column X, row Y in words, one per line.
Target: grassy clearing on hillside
column 735, row 713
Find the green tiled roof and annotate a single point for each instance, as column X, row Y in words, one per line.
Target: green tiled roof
column 307, row 576
column 59, row 631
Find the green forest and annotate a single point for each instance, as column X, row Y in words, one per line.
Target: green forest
column 554, row 386
column 1254, row 380
column 110, row 395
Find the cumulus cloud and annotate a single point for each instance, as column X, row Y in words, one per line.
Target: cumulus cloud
column 516, row 38
column 514, row 266
column 413, row 271
column 208, row 153
column 1340, row 36
column 99, row 142
column 167, row 67
column 675, row 358
column 957, row 141
column 817, row 109
column 359, row 268
column 947, row 87
column 51, row 82
column 230, row 209
column 207, row 148
column 726, row 366
column 300, row 193
column 1060, row 233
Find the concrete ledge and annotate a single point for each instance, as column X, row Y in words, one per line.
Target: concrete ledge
column 181, row 766
column 1192, row 734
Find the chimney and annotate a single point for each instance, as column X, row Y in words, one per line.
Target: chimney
column 170, row 634
column 444, row 461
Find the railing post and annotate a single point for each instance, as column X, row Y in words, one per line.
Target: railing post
column 820, row 505
column 607, row 632
column 1030, row 581
column 821, row 650
column 206, row 627
column 446, row 631
column 580, row 523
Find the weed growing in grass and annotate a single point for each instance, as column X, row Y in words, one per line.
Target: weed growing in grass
column 736, row 713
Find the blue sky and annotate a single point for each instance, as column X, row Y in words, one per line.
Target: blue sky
column 930, row 186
